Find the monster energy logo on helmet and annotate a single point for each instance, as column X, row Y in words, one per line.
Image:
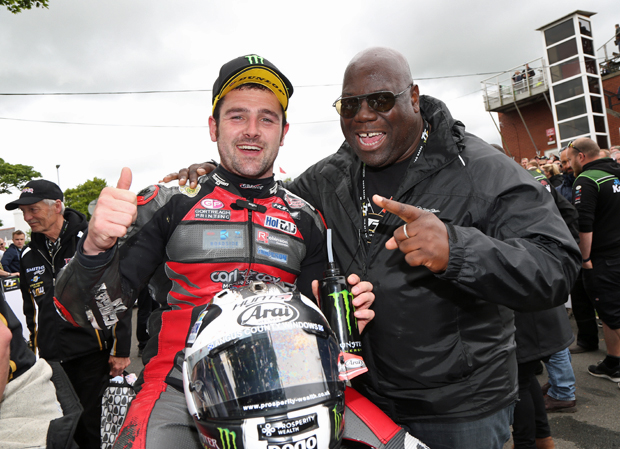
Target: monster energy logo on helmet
column 228, row 438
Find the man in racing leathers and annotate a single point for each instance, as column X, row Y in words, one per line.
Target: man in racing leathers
column 237, row 225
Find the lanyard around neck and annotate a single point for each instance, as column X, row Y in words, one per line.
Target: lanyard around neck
column 416, row 156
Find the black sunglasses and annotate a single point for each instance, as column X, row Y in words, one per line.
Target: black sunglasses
column 347, row 107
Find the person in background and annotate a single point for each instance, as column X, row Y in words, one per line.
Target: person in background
column 12, row 256
column 596, row 198
column 552, row 172
column 88, row 356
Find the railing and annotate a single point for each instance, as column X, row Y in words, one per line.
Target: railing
column 515, row 84
column 609, row 54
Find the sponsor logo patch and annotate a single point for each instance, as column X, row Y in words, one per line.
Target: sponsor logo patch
column 211, row 214
column 266, row 252
column 219, row 180
column 28, row 190
column 187, row 191
column 209, row 203
column 238, row 277
column 252, row 186
column 37, row 270
column 282, row 225
column 294, row 202
column 222, row 238
column 270, row 239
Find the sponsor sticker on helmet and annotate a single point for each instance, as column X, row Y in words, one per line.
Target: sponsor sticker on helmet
column 267, row 313
column 287, row 427
column 306, row 443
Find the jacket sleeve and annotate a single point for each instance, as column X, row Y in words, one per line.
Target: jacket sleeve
column 100, row 290
column 122, row 336
column 522, row 257
column 9, row 260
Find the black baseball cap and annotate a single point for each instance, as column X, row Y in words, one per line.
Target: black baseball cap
column 252, row 69
column 36, row 191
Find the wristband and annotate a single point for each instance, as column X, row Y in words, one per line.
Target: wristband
column 586, row 260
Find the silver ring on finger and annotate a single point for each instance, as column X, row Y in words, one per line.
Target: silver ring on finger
column 405, row 230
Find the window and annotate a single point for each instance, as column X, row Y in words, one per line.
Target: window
column 602, row 141
column 591, row 66
column 584, row 27
column 571, row 108
column 559, row 32
column 562, row 51
column 568, row 89
column 588, row 46
column 597, row 104
column 565, row 70
column 599, row 124
column 576, row 127
column 593, row 85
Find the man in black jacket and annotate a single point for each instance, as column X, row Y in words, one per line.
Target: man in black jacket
column 86, row 355
column 596, row 193
column 12, row 256
column 483, row 238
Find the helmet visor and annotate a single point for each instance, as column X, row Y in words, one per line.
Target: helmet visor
column 265, row 372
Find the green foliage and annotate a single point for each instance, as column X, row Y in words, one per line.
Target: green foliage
column 16, row 6
column 15, row 175
column 80, row 197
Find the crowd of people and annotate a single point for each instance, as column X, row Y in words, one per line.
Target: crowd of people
column 451, row 278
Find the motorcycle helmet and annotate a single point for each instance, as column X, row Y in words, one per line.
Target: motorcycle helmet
column 263, row 372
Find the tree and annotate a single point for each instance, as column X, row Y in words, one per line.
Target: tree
column 80, row 197
column 16, row 6
column 15, row 176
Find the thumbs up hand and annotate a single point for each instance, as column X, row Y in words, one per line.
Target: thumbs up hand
column 116, row 210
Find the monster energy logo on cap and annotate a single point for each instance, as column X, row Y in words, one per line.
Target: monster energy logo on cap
column 252, row 69
column 228, row 438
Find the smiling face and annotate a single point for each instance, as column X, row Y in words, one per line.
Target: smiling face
column 382, row 138
column 249, row 132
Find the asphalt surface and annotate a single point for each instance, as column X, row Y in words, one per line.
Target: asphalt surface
column 595, row 424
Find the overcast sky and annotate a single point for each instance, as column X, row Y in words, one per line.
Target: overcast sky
column 154, row 45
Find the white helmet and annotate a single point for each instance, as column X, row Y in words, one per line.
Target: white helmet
column 262, row 372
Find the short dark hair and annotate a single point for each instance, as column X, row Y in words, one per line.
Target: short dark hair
column 18, row 232
column 218, row 106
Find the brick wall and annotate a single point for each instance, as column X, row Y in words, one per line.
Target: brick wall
column 611, row 84
column 538, row 118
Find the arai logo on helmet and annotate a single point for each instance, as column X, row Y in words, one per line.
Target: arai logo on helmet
column 209, row 203
column 267, row 313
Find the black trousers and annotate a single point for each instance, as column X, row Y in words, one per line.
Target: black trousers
column 89, row 376
column 530, row 418
column 585, row 317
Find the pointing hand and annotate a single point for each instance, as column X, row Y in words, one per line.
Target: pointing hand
column 423, row 238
